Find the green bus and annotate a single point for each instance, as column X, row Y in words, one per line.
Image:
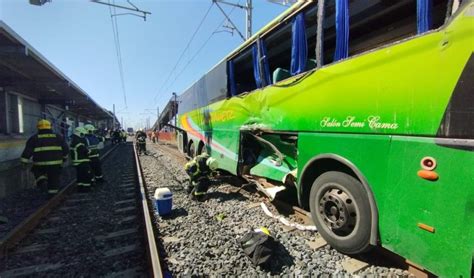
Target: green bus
column 364, row 109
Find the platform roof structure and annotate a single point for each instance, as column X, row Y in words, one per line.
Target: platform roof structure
column 167, row 114
column 24, row 70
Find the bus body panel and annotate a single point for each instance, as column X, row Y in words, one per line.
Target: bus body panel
column 404, row 200
column 381, row 110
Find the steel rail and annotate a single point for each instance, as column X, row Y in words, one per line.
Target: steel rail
column 22, row 229
column 154, row 259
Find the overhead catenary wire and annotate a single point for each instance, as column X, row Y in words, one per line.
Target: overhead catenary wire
column 183, row 52
column 201, row 48
column 118, row 50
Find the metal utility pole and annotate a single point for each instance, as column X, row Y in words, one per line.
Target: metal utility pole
column 158, row 117
column 175, row 109
column 248, row 14
column 113, row 124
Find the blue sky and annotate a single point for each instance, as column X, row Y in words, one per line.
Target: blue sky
column 76, row 36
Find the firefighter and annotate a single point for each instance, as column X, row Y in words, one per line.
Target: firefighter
column 49, row 151
column 124, row 136
column 80, row 158
column 141, row 141
column 93, row 142
column 116, row 136
column 199, row 170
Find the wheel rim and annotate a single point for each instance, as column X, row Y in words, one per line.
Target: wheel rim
column 338, row 211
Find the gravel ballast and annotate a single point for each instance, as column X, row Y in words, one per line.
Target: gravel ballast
column 201, row 238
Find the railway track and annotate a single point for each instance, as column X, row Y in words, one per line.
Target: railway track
column 105, row 232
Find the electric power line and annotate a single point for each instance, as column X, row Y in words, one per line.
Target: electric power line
column 201, row 48
column 118, row 51
column 183, row 52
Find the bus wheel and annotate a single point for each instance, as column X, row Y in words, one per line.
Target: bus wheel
column 341, row 211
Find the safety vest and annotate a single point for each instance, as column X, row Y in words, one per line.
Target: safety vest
column 46, row 148
column 79, row 150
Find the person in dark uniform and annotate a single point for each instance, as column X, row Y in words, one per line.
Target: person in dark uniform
column 199, row 170
column 93, row 142
column 141, row 141
column 116, row 136
column 80, row 158
column 49, row 151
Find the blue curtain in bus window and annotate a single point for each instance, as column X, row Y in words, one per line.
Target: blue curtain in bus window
column 231, row 78
column 256, row 66
column 266, row 66
column 299, row 47
column 423, row 11
column 342, row 30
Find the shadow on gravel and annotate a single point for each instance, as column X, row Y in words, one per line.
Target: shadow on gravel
column 175, row 213
column 223, row 197
column 381, row 257
column 281, row 258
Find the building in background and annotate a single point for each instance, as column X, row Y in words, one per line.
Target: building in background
column 31, row 88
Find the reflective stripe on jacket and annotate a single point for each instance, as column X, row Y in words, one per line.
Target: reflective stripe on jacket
column 79, row 151
column 46, row 148
column 197, row 167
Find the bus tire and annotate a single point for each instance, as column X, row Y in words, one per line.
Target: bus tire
column 341, row 211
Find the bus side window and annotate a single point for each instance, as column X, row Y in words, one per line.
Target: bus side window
column 379, row 22
column 295, row 37
column 240, row 73
column 277, row 46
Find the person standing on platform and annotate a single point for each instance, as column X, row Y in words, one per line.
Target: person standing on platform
column 93, row 142
column 80, row 158
column 49, row 151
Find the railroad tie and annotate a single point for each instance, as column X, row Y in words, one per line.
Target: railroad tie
column 31, row 248
column 30, row 270
column 131, row 272
column 126, row 209
column 127, row 201
column 120, row 250
column 117, row 234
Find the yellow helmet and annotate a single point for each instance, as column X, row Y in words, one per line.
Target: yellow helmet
column 80, row 131
column 43, row 124
column 90, row 128
column 263, row 230
column 212, row 163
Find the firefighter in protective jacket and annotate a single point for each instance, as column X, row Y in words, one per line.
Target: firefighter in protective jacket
column 140, row 137
column 199, row 170
column 80, row 158
column 49, row 151
column 93, row 142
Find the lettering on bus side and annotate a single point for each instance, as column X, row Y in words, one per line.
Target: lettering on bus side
column 222, row 116
column 373, row 122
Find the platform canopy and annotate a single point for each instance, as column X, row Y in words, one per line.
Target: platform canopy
column 168, row 113
column 24, row 70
